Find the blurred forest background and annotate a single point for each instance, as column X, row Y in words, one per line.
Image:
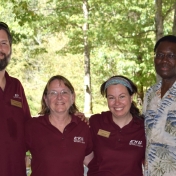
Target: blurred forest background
column 87, row 41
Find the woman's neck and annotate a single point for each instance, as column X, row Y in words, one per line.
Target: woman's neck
column 60, row 122
column 122, row 121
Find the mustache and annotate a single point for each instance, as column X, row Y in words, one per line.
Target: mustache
column 1, row 53
column 164, row 65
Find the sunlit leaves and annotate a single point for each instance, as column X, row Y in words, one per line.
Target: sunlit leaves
column 48, row 40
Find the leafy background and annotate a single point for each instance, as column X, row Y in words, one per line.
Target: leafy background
column 49, row 39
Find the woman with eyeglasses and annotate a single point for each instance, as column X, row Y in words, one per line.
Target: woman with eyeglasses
column 118, row 134
column 59, row 142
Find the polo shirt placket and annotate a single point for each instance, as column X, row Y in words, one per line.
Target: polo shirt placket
column 55, row 153
column 124, row 147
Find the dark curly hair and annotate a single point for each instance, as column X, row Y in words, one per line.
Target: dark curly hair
column 167, row 38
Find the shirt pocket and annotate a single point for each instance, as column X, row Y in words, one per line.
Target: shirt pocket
column 170, row 126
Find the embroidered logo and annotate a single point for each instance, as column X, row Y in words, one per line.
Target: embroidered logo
column 79, row 140
column 136, row 143
column 17, row 96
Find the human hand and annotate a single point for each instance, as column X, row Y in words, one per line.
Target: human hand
column 82, row 116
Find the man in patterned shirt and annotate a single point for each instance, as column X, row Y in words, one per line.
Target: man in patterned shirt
column 159, row 109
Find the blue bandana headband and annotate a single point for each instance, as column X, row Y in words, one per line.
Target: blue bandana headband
column 118, row 80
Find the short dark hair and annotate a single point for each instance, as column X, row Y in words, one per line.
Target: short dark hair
column 4, row 26
column 167, row 38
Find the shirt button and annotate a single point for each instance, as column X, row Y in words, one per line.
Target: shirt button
column 118, row 140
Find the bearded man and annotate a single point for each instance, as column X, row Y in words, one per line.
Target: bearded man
column 14, row 112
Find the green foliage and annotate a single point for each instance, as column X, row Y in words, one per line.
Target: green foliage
column 48, row 40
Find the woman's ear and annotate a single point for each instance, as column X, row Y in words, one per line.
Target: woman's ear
column 45, row 99
column 132, row 98
column 73, row 98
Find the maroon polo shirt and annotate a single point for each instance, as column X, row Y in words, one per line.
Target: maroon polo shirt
column 55, row 153
column 118, row 151
column 14, row 111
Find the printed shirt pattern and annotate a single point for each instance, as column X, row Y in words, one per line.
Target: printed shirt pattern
column 160, row 128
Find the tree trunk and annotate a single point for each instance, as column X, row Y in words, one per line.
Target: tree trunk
column 158, row 19
column 87, row 78
column 174, row 22
column 158, row 25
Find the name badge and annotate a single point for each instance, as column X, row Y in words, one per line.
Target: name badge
column 16, row 103
column 103, row 133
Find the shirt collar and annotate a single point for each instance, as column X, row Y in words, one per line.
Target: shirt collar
column 107, row 118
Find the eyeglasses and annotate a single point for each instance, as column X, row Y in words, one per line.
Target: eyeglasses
column 169, row 56
column 4, row 25
column 54, row 94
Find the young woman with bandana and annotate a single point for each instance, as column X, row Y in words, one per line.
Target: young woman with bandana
column 118, row 134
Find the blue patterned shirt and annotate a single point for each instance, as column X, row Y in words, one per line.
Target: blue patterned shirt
column 160, row 128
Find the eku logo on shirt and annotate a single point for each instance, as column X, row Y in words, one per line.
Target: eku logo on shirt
column 136, row 143
column 17, row 96
column 79, row 139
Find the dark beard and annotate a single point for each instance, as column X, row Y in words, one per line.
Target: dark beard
column 4, row 62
